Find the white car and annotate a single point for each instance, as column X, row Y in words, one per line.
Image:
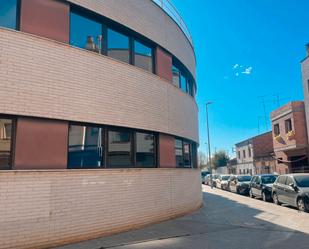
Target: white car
column 222, row 182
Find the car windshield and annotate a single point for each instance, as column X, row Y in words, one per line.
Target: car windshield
column 269, row 179
column 302, row 181
column 244, row 178
column 204, row 174
column 225, row 178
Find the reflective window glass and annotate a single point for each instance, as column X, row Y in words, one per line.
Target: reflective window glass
column 183, row 83
column 8, row 11
column 143, row 56
column 119, row 149
column 187, row 154
column 145, row 150
column 85, row 147
column 176, row 76
column 179, row 153
column 5, row 143
column 85, row 33
column 118, row 46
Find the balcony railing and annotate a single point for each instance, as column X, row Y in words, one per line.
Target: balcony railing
column 171, row 10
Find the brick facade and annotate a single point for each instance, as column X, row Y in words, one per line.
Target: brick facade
column 74, row 84
column 42, row 209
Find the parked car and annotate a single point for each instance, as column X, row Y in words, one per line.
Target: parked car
column 292, row 189
column 208, row 179
column 240, row 184
column 222, row 181
column 261, row 186
column 214, row 180
column 204, row 175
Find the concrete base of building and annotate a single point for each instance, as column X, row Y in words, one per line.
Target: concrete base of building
column 43, row 209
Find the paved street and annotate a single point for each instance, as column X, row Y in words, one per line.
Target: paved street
column 226, row 221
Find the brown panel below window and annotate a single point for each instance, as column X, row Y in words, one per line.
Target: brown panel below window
column 40, row 144
column 167, row 151
column 49, row 19
column 164, row 64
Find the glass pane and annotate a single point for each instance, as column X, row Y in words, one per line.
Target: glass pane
column 5, row 143
column 183, row 83
column 187, row 154
column 85, row 33
column 143, row 56
column 8, row 13
column 119, row 149
column 145, row 150
column 176, row 76
column 85, row 147
column 179, row 153
column 118, row 46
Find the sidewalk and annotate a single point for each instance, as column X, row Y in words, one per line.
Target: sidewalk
column 226, row 221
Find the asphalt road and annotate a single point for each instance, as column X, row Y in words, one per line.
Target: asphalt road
column 227, row 220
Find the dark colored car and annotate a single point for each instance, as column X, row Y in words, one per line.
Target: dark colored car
column 204, row 175
column 261, row 186
column 292, row 189
column 222, row 181
column 240, row 184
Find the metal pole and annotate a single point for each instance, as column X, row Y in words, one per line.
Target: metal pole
column 209, row 153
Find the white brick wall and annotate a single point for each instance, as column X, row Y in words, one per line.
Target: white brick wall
column 41, row 209
column 144, row 17
column 44, row 78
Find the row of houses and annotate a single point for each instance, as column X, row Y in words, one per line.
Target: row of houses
column 284, row 149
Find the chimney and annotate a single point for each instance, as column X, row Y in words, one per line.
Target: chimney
column 307, row 49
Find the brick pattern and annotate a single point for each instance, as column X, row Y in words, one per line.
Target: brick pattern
column 263, row 145
column 45, row 78
column 146, row 18
column 296, row 112
column 42, row 209
column 305, row 76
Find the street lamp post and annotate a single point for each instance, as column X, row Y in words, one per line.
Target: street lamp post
column 209, row 153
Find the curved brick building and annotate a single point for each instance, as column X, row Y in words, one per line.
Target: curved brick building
column 98, row 119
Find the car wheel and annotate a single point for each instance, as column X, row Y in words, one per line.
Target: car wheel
column 264, row 197
column 276, row 199
column 251, row 194
column 301, row 205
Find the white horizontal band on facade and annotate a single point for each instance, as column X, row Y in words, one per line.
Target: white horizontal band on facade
column 146, row 18
column 44, row 78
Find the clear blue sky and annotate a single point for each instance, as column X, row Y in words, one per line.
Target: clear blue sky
column 245, row 49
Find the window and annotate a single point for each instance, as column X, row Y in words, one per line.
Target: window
column 183, row 83
column 145, row 150
column 281, row 179
column 190, row 87
column 5, row 143
column 176, row 76
column 249, row 152
column 8, row 14
column 187, row 154
column 85, row 33
column 289, row 180
column 179, row 153
column 143, row 56
column 238, row 154
column 85, row 147
column 308, row 85
column 288, row 125
column 118, row 46
column 244, row 153
column 119, row 149
column 276, row 130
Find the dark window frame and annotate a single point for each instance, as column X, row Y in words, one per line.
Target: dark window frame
column 288, row 125
column 13, row 139
column 183, row 140
column 276, row 128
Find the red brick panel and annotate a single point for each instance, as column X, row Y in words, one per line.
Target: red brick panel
column 163, row 64
column 167, row 151
column 263, row 145
column 49, row 19
column 40, row 144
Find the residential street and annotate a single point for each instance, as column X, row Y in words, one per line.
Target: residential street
column 227, row 220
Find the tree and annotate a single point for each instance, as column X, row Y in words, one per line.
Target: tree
column 202, row 160
column 220, row 159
